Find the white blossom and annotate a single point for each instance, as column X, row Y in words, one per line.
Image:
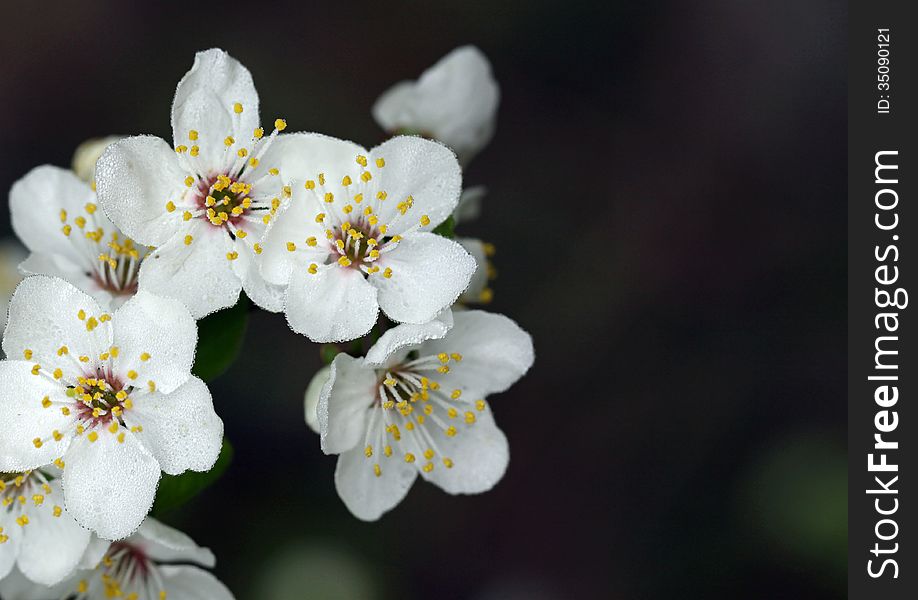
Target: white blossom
column 416, row 404
column 205, row 202
column 87, row 154
column 356, row 236
column 57, row 217
column 108, row 398
column 455, row 101
column 155, row 563
column 37, row 535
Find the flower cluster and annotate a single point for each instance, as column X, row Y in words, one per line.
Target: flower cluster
column 143, row 237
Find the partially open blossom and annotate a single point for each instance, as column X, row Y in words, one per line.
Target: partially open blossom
column 205, row 202
column 416, row 404
column 156, row 563
column 36, row 534
column 455, row 101
column 311, row 397
column 356, row 235
column 57, row 217
column 107, row 397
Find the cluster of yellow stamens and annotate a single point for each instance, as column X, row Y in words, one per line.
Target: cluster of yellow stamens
column 229, row 195
column 115, row 259
column 28, row 489
column 349, row 212
column 411, row 411
column 125, row 572
column 96, row 398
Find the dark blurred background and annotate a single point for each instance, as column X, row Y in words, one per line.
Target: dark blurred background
column 667, row 197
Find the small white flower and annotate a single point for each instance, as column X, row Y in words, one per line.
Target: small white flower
column 205, row 203
column 56, row 216
column 156, row 563
column 455, row 101
column 36, row 533
column 87, row 154
column 356, row 236
column 109, row 398
column 416, row 404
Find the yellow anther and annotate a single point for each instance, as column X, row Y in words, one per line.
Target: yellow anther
column 456, row 356
column 181, row 149
column 210, row 201
column 93, row 436
column 291, row 247
column 22, row 520
column 145, row 356
column 387, row 273
column 310, row 184
column 344, row 261
column 428, row 454
column 480, row 404
column 189, row 181
column 63, row 215
column 57, row 435
column 311, row 241
column 246, row 203
column 368, row 451
column 105, row 318
column 80, row 222
column 409, row 457
column 113, row 428
column 347, row 209
column 27, row 353
column 35, row 369
column 237, row 108
column 228, row 141
column 132, row 374
column 91, row 323
column 59, row 463
column 58, row 373
column 381, row 195
column 361, row 160
column 321, row 178
column 383, row 228
column 448, row 463
column 37, row 442
column 192, row 135
column 258, row 133
column 46, row 402
column 65, row 411
column 58, row 511
column 469, row 417
column 66, row 229
column 121, row 438
column 232, row 255
column 90, row 207
column 195, row 150
column 313, row 269
column 114, row 350
column 253, row 162
column 329, row 197
column 376, row 470
column 320, row 217
column 242, row 153
column 239, row 232
column 443, row 357
column 273, row 171
column 366, row 176
column 380, row 163
column 425, row 220
column 188, row 240
column 280, row 124
column 257, row 248
column 428, row 467
column 450, row 431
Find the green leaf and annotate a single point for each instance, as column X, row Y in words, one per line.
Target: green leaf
column 176, row 490
column 220, row 337
column 447, row 228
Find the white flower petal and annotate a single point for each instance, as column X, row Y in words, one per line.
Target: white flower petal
column 479, row 280
column 192, row 583
column 16, row 586
column 94, row 553
column 36, row 202
column 87, row 154
column 366, row 495
column 165, row 544
column 24, row 418
column 198, row 274
column 181, row 428
column 425, row 170
column 428, row 274
column 156, row 338
column 204, row 102
column 344, row 403
column 311, row 397
column 43, row 316
column 334, row 305
column 479, row 452
column 51, row 546
column 109, row 486
column 56, row 265
column 295, row 223
column 9, row 552
column 302, row 156
column 135, row 178
column 266, row 295
column 407, row 335
column 495, row 351
column 454, row 101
